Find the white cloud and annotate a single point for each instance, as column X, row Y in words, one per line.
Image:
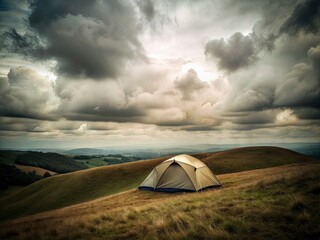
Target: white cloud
column 286, row 116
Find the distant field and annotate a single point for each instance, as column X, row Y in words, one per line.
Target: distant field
column 72, row 188
column 104, row 160
column 93, row 162
column 272, row 203
column 39, row 171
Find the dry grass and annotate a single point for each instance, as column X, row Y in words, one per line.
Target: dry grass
column 81, row 186
column 72, row 188
column 272, row 203
column 39, row 171
column 249, row 158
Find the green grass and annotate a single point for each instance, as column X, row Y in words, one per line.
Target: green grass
column 72, row 188
column 273, row 203
column 103, row 160
column 93, row 162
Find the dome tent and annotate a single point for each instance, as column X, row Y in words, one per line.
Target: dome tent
column 182, row 173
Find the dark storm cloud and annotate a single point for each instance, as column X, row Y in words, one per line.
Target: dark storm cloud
column 306, row 17
column 87, row 38
column 109, row 115
column 240, row 51
column 307, row 113
column 314, row 55
column 28, row 44
column 262, row 117
column 147, row 8
column 43, row 13
column 236, row 52
column 285, row 74
column 174, row 123
column 300, row 88
column 4, row 6
column 14, row 124
column 253, row 98
column 11, row 13
column 199, row 128
column 273, row 15
column 270, row 72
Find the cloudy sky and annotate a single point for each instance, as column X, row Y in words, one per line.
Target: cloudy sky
column 158, row 73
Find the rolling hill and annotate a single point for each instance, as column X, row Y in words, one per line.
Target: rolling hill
column 72, row 188
column 52, row 161
column 37, row 170
column 243, row 159
column 12, row 176
column 272, row 203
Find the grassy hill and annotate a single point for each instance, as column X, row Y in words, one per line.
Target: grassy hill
column 37, row 170
column 272, row 203
column 243, row 159
column 51, row 161
column 67, row 189
column 12, row 176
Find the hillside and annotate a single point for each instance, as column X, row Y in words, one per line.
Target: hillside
column 37, row 170
column 12, row 176
column 272, row 203
column 52, row 161
column 67, row 189
column 243, row 159
column 8, row 157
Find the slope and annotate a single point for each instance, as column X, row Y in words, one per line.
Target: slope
column 249, row 158
column 271, row 203
column 67, row 189
column 51, row 161
column 71, row 188
column 37, row 170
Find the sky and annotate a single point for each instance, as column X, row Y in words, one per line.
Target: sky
column 158, row 73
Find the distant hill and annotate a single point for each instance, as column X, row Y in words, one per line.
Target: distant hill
column 51, row 161
column 67, row 189
column 104, row 160
column 248, row 158
column 37, row 170
column 85, row 151
column 12, row 176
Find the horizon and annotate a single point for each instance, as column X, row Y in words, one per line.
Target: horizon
column 158, row 73
column 194, row 147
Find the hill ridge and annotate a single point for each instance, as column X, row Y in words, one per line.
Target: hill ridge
column 68, row 189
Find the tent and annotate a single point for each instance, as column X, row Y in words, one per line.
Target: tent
column 182, row 173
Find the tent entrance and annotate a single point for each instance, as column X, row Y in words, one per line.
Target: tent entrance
column 174, row 179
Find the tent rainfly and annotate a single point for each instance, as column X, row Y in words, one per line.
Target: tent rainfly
column 182, row 173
